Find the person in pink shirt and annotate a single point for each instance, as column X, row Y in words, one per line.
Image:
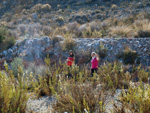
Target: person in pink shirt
column 94, row 63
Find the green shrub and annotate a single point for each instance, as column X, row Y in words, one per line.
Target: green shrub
column 15, row 65
column 113, row 76
column 13, row 92
column 136, row 100
column 142, row 74
column 36, row 69
column 6, row 39
column 47, row 84
column 3, row 32
column 103, row 51
column 68, row 44
column 128, row 56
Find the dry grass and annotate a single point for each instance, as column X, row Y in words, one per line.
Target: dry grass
column 113, row 27
column 121, row 31
column 79, row 98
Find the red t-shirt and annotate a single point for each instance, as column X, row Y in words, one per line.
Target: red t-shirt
column 94, row 63
column 69, row 63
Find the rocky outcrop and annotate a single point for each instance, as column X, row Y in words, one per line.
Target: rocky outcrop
column 39, row 48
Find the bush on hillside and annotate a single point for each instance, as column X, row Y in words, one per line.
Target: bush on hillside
column 120, row 31
column 68, row 43
column 6, row 39
column 31, row 30
column 15, row 65
column 128, row 56
column 142, row 34
column 73, row 26
column 47, row 30
column 114, row 76
column 80, row 98
column 36, row 69
column 103, row 51
column 13, row 92
column 39, row 8
column 95, row 26
column 136, row 99
column 46, row 7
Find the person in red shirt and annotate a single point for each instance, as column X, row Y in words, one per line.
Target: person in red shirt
column 70, row 62
column 94, row 63
column 71, row 59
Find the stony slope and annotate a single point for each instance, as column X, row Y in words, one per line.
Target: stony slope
column 37, row 49
column 36, row 18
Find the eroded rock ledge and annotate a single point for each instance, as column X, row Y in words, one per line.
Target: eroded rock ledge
column 38, row 49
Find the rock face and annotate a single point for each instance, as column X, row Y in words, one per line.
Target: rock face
column 38, row 49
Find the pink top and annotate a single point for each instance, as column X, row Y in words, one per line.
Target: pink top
column 94, row 63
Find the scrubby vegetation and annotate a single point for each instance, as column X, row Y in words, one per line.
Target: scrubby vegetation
column 103, row 51
column 13, row 91
column 17, row 62
column 81, row 92
column 69, row 43
column 73, row 88
column 111, row 18
column 7, row 39
column 128, row 56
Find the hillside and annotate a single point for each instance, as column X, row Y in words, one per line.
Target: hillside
column 83, row 18
column 21, row 19
column 74, row 56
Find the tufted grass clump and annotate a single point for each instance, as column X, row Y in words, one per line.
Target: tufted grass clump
column 120, row 31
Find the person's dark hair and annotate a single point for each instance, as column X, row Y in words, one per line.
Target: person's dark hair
column 72, row 53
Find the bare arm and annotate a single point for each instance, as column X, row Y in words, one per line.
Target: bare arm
column 97, row 57
column 74, row 59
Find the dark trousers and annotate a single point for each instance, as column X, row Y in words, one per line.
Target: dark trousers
column 93, row 71
column 69, row 72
